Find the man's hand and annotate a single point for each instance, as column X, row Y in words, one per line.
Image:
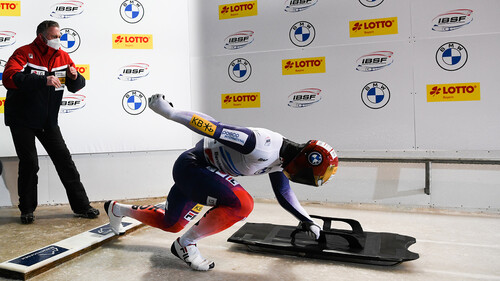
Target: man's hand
column 313, row 230
column 71, row 72
column 53, row 81
column 160, row 105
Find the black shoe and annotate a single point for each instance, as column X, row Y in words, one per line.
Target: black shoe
column 27, row 218
column 90, row 213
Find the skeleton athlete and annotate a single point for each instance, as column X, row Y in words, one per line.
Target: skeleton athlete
column 204, row 175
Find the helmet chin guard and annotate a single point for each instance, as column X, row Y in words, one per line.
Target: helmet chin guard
column 315, row 164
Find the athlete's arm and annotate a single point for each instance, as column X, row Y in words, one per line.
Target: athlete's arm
column 287, row 199
column 238, row 138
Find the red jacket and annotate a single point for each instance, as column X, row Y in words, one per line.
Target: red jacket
column 30, row 102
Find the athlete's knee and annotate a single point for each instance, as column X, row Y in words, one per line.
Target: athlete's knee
column 174, row 228
column 246, row 203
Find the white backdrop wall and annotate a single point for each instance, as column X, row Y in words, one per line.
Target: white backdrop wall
column 406, row 119
column 409, row 124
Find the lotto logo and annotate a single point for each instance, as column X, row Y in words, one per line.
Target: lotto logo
column 373, row 27
column 303, row 66
column 2, row 105
column 238, row 10
column 454, row 92
column 132, row 41
column 10, row 8
column 244, row 100
column 84, row 70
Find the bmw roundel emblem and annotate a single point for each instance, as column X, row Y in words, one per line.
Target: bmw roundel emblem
column 131, row 11
column 451, row 56
column 302, row 33
column 134, row 102
column 371, row 3
column 375, row 95
column 239, row 70
column 2, row 68
column 315, row 158
column 70, row 40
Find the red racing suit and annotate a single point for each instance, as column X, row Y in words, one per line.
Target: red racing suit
column 30, row 102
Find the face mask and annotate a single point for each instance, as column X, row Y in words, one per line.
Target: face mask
column 54, row 43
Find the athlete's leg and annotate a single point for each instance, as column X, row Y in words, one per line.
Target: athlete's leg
column 173, row 217
column 208, row 186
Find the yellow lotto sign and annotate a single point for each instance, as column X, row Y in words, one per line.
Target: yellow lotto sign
column 303, row 66
column 10, row 8
column 238, row 10
column 243, row 100
column 132, row 41
column 202, row 125
column 84, row 70
column 2, row 105
column 373, row 27
column 454, row 92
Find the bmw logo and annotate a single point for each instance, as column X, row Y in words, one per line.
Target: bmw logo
column 70, row 40
column 2, row 68
column 375, row 95
column 134, row 102
column 239, row 70
column 131, row 11
column 371, row 3
column 451, row 56
column 315, row 158
column 302, row 34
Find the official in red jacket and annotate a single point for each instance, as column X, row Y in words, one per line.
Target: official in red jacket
column 35, row 77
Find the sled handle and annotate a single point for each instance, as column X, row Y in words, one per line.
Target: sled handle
column 327, row 224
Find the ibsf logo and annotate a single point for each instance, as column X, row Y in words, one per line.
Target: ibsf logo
column 302, row 33
column 452, row 20
column 373, row 27
column 243, row 100
column 10, row 8
column 133, row 72
column 239, row 70
column 7, row 38
column 303, row 66
column 238, row 40
column 371, row 3
column 453, row 92
column 304, row 98
column 375, row 95
column 237, row 10
column 70, row 40
column 66, row 9
column 451, row 56
column 134, row 102
column 132, row 41
column 72, row 102
column 293, row 6
column 375, row 61
column 2, row 68
column 132, row 11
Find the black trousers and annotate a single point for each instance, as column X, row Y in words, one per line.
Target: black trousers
column 53, row 142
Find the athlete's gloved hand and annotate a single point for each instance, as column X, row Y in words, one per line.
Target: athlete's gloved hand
column 311, row 228
column 160, row 105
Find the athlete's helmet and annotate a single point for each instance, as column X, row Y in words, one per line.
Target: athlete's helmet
column 314, row 165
